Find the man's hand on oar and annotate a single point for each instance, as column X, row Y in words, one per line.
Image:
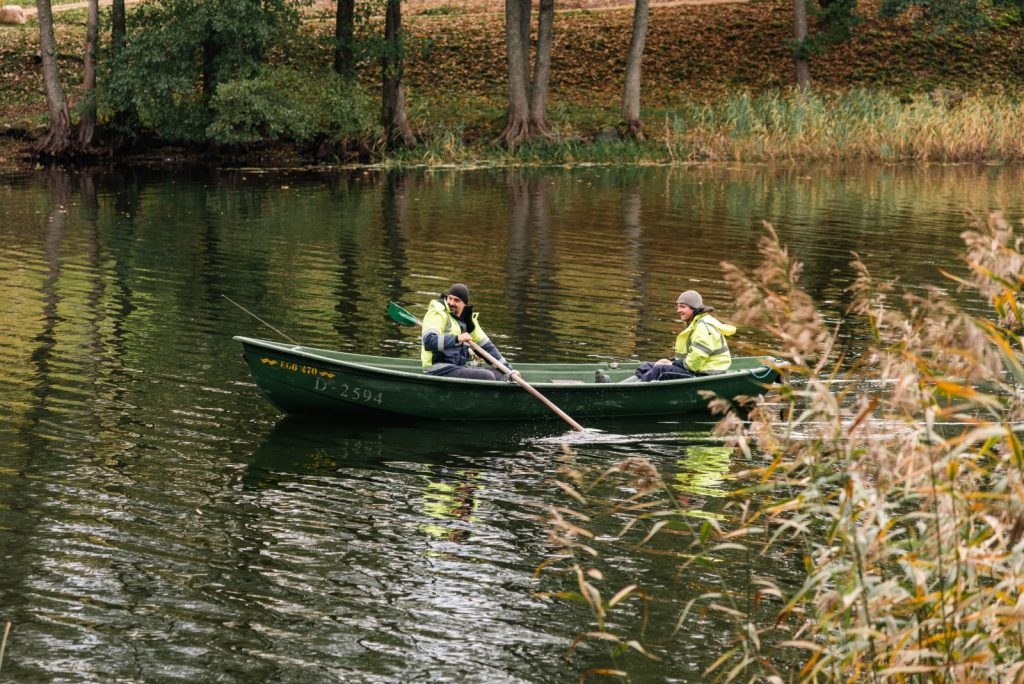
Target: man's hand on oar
column 403, row 317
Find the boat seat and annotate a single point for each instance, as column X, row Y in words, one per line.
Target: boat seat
column 562, row 381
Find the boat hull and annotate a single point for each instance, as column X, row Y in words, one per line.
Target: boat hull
column 322, row 383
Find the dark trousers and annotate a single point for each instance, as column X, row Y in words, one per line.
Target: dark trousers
column 453, row 371
column 649, row 372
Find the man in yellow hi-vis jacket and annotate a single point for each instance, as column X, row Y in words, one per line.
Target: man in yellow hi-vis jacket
column 701, row 348
column 448, row 326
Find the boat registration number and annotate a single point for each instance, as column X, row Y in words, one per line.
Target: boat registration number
column 359, row 394
column 345, row 391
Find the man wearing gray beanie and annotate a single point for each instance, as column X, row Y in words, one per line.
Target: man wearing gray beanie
column 701, row 348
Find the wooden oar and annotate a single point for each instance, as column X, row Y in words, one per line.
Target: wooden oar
column 400, row 315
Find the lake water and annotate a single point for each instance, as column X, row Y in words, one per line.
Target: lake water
column 160, row 522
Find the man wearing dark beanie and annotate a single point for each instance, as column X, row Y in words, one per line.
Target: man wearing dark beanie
column 448, row 327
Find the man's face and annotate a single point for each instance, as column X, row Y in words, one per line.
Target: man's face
column 456, row 305
column 684, row 311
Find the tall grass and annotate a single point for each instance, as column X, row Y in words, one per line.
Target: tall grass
column 942, row 126
column 905, row 501
column 939, row 126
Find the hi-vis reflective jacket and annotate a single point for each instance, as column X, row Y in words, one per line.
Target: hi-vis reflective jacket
column 702, row 345
column 441, row 331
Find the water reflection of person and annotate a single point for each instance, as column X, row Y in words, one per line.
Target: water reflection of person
column 702, row 474
column 451, row 503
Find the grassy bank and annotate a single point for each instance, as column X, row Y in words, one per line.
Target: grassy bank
column 716, row 87
column 777, row 125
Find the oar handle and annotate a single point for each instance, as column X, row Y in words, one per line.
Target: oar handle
column 518, row 379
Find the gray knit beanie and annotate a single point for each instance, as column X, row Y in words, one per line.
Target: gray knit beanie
column 692, row 299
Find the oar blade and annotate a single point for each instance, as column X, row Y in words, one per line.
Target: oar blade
column 400, row 315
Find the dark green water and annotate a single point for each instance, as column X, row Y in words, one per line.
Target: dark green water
column 159, row 522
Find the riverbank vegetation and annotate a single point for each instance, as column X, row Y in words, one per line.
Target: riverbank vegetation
column 892, row 491
column 781, row 125
column 716, row 86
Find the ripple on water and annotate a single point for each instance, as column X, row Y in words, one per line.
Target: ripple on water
column 158, row 521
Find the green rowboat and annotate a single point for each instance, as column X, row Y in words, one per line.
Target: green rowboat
column 312, row 382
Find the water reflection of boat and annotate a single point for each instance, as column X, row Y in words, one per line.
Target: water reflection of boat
column 298, row 445
column 443, row 464
column 307, row 381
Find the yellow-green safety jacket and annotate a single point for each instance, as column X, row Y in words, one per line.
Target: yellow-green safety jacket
column 702, row 345
column 441, row 330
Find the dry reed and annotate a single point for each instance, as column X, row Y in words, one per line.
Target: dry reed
column 3, row 642
column 852, row 125
column 904, row 497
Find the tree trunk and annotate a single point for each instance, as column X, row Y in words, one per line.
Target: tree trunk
column 117, row 26
column 87, row 122
column 118, row 33
column 517, row 41
column 344, row 34
column 211, row 51
column 803, row 68
column 397, row 130
column 57, row 143
column 542, row 69
column 631, row 90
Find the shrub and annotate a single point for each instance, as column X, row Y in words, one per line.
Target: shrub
column 285, row 105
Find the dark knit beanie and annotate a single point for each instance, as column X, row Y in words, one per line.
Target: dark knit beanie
column 461, row 291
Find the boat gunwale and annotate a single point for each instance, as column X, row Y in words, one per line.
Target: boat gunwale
column 371, row 368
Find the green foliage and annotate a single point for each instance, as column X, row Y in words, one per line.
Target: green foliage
column 836, row 21
column 1012, row 9
column 442, row 10
column 284, row 104
column 839, row 18
column 941, row 15
column 179, row 51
